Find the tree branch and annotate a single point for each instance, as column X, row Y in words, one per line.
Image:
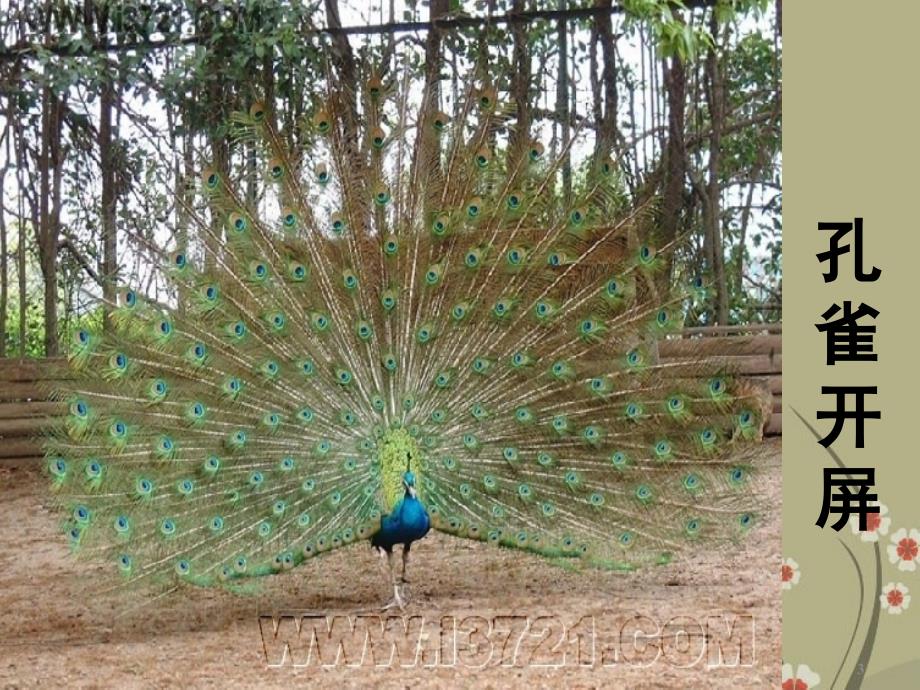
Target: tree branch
column 25, row 48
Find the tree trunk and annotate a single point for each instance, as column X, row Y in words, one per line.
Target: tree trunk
column 220, row 161
column 675, row 153
column 183, row 177
column 345, row 105
column 21, row 216
column 712, row 207
column 109, row 237
column 431, row 96
column 437, row 9
column 597, row 99
column 49, row 165
column 520, row 83
column 348, row 74
column 562, row 103
column 4, row 275
column 109, row 264
column 607, row 125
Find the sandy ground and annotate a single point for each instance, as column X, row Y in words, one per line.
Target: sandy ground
column 485, row 617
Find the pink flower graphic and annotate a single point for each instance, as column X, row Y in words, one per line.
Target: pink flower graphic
column 895, row 597
column 802, row 679
column 904, row 549
column 876, row 523
column 790, row 573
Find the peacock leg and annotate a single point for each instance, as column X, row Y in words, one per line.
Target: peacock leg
column 404, row 580
column 386, row 557
column 405, row 559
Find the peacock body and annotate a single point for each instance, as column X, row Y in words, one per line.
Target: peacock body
column 410, row 328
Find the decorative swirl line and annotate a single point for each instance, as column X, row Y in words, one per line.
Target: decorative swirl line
column 865, row 653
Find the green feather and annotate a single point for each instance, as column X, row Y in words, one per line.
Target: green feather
column 423, row 301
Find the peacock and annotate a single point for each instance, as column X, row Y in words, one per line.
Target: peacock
column 413, row 327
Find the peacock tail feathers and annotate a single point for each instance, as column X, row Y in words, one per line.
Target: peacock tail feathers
column 420, row 297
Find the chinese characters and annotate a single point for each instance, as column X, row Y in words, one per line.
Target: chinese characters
column 850, row 337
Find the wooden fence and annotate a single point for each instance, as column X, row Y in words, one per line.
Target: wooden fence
column 753, row 352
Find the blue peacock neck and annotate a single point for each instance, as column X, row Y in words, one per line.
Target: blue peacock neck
column 398, row 452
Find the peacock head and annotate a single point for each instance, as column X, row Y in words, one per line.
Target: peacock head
column 409, row 483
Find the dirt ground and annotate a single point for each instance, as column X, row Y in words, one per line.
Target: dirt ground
column 490, row 617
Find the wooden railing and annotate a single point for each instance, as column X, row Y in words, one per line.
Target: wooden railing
column 24, row 404
column 752, row 352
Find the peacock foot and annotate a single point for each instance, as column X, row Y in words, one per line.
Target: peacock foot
column 399, row 600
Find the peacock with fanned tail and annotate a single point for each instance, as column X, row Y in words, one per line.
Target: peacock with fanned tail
column 409, row 329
